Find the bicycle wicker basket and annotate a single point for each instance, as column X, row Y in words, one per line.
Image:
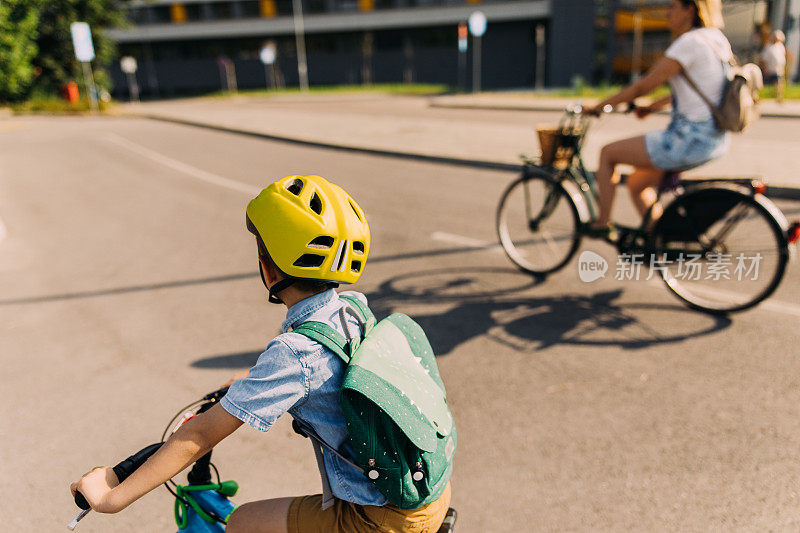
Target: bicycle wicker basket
column 558, row 144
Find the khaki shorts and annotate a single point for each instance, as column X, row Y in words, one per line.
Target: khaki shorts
column 306, row 516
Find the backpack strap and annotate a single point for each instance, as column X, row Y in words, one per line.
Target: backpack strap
column 715, row 112
column 326, row 336
column 306, row 431
column 363, row 309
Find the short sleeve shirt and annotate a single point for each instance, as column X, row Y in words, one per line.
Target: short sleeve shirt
column 774, row 58
column 300, row 376
column 700, row 52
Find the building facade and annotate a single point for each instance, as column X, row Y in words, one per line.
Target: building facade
column 197, row 46
column 184, row 47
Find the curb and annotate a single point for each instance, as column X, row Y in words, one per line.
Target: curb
column 784, row 193
column 474, row 163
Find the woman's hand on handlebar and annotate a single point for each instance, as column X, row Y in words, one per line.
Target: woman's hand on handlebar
column 97, row 486
column 642, row 111
column 596, row 111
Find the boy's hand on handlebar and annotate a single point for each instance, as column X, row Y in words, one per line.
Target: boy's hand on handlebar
column 96, row 487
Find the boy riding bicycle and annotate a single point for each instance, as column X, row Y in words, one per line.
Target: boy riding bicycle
column 311, row 236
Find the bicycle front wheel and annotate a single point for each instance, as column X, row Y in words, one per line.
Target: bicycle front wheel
column 537, row 224
column 720, row 250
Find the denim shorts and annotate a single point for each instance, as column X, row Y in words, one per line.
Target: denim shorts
column 685, row 144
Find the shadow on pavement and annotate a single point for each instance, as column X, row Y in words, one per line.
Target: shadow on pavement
column 486, row 301
column 233, row 360
column 533, row 323
column 126, row 290
column 79, row 295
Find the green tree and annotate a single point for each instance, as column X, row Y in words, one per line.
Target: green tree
column 18, row 26
column 56, row 58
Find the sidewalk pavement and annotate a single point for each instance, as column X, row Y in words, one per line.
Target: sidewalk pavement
column 459, row 129
column 525, row 101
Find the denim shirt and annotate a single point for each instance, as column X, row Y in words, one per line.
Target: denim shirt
column 299, row 375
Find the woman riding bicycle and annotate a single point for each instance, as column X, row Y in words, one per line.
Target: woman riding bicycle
column 691, row 139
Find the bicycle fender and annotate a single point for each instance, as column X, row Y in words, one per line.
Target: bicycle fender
column 762, row 200
column 776, row 212
column 578, row 199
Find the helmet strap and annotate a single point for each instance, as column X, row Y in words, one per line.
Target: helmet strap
column 277, row 287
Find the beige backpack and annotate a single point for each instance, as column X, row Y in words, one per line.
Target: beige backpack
column 739, row 105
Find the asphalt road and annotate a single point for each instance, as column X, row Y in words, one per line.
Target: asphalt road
column 410, row 124
column 128, row 288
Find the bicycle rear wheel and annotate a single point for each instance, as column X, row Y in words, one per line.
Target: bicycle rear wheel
column 719, row 250
column 537, row 224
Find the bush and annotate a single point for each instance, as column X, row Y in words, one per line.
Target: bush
column 55, row 105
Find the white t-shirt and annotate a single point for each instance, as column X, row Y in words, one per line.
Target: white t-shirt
column 774, row 58
column 693, row 50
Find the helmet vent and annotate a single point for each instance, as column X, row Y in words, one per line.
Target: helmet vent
column 322, row 243
column 358, row 247
column 355, row 266
column 356, row 211
column 309, row 261
column 315, row 204
column 295, row 186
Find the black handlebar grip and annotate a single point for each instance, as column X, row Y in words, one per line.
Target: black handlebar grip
column 81, row 502
column 123, row 469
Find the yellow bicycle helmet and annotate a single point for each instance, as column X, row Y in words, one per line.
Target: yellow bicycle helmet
column 311, row 229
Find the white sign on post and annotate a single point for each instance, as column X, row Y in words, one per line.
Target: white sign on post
column 477, row 24
column 82, row 41
column 267, row 54
column 128, row 65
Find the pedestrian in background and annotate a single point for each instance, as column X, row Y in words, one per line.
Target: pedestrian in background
column 773, row 63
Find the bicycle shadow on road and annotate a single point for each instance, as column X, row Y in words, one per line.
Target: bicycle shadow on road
column 528, row 322
column 497, row 303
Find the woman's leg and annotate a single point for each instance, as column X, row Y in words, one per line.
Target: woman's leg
column 625, row 152
column 642, row 185
column 265, row 516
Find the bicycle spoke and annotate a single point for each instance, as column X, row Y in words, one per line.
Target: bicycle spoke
column 738, row 260
column 537, row 225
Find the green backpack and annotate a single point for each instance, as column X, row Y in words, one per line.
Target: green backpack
column 394, row 403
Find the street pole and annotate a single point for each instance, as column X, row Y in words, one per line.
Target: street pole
column 133, row 87
column 269, row 76
column 300, row 39
column 638, row 37
column 90, row 88
column 476, row 65
column 463, row 33
column 477, row 27
column 540, row 56
column 462, row 68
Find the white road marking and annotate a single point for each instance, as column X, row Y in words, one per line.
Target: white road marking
column 771, row 305
column 189, row 170
column 463, row 241
column 3, row 232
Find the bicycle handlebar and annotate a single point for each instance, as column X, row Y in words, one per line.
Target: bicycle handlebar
column 125, row 468
column 575, row 110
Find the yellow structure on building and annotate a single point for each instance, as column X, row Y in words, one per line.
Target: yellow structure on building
column 177, row 13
